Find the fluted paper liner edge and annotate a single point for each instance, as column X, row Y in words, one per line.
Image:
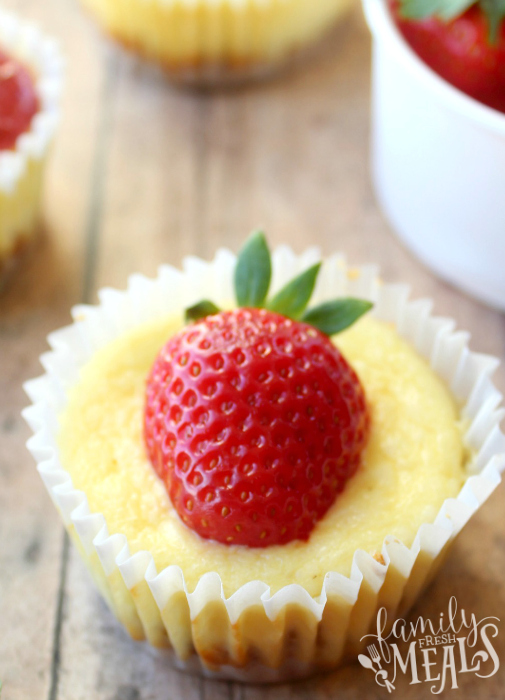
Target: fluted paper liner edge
column 254, row 635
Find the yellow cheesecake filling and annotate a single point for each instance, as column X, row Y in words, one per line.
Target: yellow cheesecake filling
column 413, row 461
column 19, row 211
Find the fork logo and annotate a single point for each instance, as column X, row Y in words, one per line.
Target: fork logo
column 432, row 652
column 381, row 675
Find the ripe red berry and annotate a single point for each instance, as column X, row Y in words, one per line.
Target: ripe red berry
column 459, row 47
column 18, row 101
column 254, row 422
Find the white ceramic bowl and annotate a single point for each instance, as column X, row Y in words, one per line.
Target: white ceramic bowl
column 438, row 165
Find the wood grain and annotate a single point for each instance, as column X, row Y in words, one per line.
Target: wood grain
column 142, row 174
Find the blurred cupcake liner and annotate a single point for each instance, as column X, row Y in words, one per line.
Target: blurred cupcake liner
column 254, row 635
column 217, row 41
column 21, row 169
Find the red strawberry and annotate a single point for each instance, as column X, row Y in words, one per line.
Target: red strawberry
column 253, row 420
column 463, row 41
column 18, row 101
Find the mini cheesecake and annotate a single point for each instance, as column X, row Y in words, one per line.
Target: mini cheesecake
column 30, row 84
column 432, row 456
column 206, row 42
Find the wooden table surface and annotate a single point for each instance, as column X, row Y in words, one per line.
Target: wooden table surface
column 142, row 174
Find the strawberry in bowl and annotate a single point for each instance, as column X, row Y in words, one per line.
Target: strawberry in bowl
column 462, row 41
column 438, row 135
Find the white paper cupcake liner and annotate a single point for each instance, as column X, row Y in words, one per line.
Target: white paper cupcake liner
column 26, row 43
column 299, row 633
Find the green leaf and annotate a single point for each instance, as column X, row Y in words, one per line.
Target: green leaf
column 495, row 13
column 335, row 316
column 445, row 9
column 294, row 297
column 419, row 9
column 201, row 310
column 253, row 271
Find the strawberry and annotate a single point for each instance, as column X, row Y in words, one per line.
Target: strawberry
column 18, row 101
column 254, row 420
column 461, row 40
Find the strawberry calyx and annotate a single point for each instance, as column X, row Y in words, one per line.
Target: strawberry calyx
column 252, row 279
column 253, row 418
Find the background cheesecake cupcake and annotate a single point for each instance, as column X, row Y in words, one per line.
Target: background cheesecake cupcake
column 30, row 85
column 238, row 608
column 217, row 41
